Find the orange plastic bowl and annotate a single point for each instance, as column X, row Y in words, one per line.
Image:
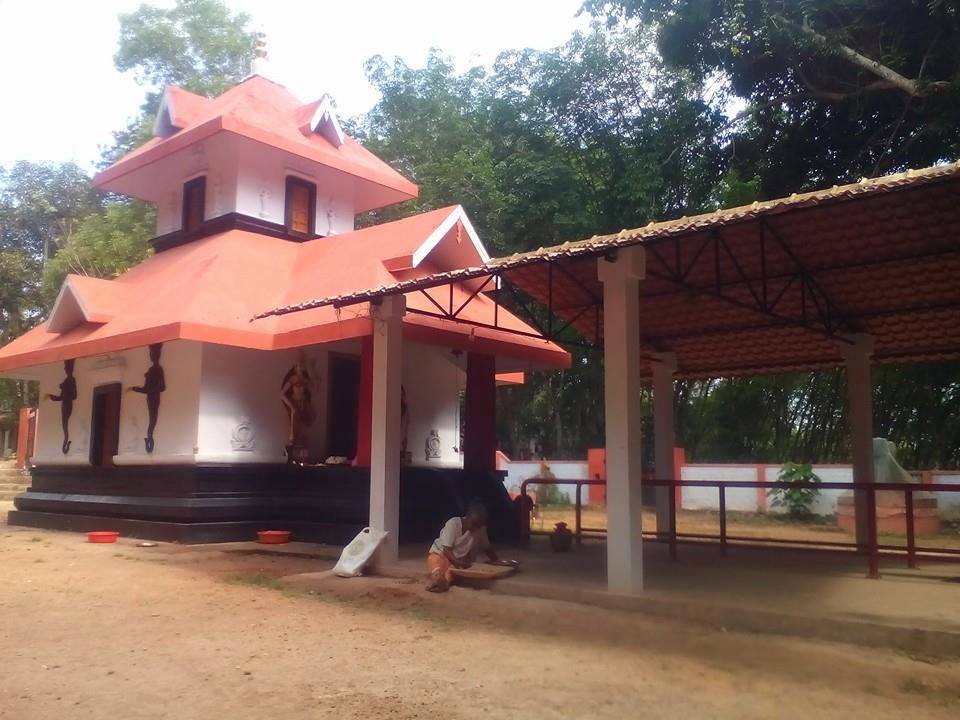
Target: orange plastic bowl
column 273, row 537
column 102, row 536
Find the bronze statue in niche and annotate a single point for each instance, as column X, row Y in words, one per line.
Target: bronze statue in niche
column 296, row 394
column 68, row 393
column 153, row 384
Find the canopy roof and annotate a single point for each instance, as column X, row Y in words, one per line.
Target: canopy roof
column 208, row 290
column 770, row 287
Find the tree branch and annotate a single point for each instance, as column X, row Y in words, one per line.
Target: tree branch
column 890, row 77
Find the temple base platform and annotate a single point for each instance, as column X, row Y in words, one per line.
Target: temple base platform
column 225, row 503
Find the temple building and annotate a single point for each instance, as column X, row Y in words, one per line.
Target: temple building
column 172, row 408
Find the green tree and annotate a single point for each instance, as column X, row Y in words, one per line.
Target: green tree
column 198, row 45
column 834, row 89
column 105, row 244
column 549, row 146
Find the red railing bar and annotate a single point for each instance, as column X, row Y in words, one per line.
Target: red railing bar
column 911, row 539
column 873, row 548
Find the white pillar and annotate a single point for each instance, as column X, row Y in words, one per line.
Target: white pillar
column 385, row 435
column 621, row 390
column 860, row 413
column 664, row 366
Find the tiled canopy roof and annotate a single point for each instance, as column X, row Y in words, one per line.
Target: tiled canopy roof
column 769, row 287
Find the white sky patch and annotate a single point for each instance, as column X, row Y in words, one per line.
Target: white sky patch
column 64, row 98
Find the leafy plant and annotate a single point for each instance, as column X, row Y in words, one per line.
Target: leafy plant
column 799, row 498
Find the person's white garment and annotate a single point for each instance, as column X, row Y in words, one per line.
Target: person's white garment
column 463, row 544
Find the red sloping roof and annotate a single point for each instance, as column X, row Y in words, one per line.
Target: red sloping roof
column 260, row 110
column 186, row 107
column 208, row 290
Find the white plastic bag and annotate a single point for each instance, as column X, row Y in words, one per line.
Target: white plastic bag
column 358, row 552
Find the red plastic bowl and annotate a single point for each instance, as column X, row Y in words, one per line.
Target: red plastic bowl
column 102, row 536
column 273, row 537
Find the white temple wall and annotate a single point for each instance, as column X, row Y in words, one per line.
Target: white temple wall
column 432, row 383
column 176, row 431
column 262, row 183
column 216, row 159
column 242, row 417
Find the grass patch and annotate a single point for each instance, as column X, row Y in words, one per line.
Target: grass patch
column 255, row 580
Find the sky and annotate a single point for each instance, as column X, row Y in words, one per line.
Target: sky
column 63, row 97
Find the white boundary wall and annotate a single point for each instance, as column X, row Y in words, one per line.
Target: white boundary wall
column 738, row 499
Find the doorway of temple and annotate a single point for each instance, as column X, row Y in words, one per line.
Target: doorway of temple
column 105, row 425
column 343, row 405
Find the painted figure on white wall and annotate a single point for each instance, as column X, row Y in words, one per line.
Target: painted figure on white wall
column 68, row 393
column 153, row 384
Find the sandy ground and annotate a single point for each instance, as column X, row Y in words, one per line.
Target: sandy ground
column 121, row 631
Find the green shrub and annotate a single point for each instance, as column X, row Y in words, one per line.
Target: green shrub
column 799, row 499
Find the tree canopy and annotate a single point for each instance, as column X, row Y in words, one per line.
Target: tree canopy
column 834, row 90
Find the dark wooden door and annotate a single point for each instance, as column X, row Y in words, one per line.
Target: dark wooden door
column 105, row 425
column 343, row 405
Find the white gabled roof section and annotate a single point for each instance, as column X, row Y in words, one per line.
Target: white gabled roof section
column 68, row 310
column 440, row 232
column 163, row 126
column 71, row 308
column 325, row 122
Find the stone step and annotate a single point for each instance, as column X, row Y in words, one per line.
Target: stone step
column 18, row 486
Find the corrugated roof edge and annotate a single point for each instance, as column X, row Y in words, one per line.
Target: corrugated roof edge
column 600, row 244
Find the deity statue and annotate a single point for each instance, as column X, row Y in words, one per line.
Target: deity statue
column 296, row 394
column 68, row 393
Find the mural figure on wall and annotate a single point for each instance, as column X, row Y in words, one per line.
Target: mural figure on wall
column 68, row 393
column 296, row 394
column 153, row 384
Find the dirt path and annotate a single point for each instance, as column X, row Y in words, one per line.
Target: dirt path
column 166, row 632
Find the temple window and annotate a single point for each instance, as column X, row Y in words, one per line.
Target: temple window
column 301, row 203
column 194, row 198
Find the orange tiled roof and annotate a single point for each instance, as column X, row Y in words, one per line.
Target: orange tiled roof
column 209, row 289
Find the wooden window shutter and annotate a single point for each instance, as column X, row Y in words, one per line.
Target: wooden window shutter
column 194, row 199
column 301, row 200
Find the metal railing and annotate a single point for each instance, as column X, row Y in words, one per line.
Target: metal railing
column 872, row 548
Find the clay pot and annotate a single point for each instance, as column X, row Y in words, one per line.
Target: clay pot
column 561, row 539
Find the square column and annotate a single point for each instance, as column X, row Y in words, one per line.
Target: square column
column 385, row 436
column 664, row 365
column 860, row 413
column 621, row 391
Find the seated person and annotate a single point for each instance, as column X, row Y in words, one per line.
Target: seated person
column 457, row 547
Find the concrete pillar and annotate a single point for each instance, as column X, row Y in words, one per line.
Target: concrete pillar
column 664, row 366
column 621, row 390
column 860, row 413
column 480, row 413
column 385, row 428
column 365, row 402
